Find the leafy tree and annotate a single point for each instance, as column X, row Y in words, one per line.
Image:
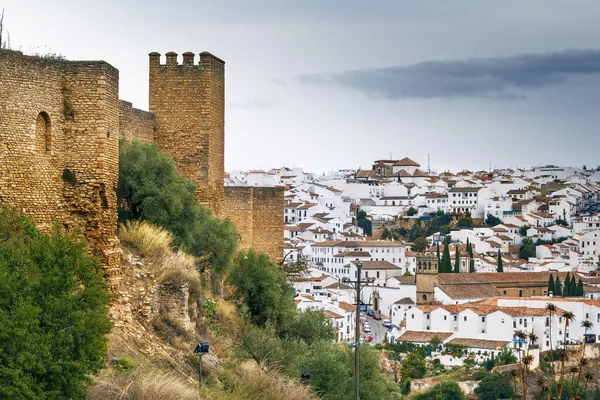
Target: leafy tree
column 492, row 220
column 523, row 230
column 562, row 222
column 557, row 287
column 332, row 372
column 527, row 249
column 311, row 326
column 415, row 232
column 506, row 356
column 494, row 386
column 448, row 390
column 456, row 261
column 263, row 289
column 500, row 269
column 53, row 312
column 150, row 189
column 579, row 291
column 550, row 284
column 465, row 222
column 364, row 222
column 413, row 366
column 411, row 211
column 420, row 244
column 446, row 262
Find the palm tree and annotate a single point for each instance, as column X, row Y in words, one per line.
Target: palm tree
column 582, row 364
column 513, row 374
column 527, row 361
column 586, row 325
column 542, row 386
column 522, row 336
column 573, row 370
column 568, row 316
column 588, row 377
column 551, row 308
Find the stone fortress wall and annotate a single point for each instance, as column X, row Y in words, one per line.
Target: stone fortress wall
column 256, row 213
column 60, row 123
column 59, row 143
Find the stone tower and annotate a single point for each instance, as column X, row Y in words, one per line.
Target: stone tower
column 188, row 102
column 426, row 277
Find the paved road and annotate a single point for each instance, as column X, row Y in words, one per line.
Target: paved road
column 378, row 331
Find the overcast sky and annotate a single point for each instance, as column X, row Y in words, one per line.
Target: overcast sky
column 337, row 84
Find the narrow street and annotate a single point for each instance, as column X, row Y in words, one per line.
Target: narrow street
column 378, row 331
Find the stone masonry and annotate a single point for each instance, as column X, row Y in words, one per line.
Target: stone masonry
column 60, row 123
column 59, row 138
column 188, row 102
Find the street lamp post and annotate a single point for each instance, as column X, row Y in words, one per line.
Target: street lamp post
column 357, row 286
column 201, row 349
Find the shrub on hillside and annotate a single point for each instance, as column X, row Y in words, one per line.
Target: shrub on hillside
column 53, row 312
column 150, row 189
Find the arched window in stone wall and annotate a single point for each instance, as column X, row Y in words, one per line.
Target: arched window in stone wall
column 44, row 140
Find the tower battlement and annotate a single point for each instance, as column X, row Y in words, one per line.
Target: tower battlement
column 206, row 61
column 188, row 102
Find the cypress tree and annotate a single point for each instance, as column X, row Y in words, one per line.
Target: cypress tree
column 579, row 292
column 438, row 258
column 457, row 261
column 550, row 285
column 557, row 287
column 567, row 285
column 500, row 269
column 446, row 263
column 573, row 286
column 472, row 265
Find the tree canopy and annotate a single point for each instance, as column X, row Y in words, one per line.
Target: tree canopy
column 527, row 249
column 448, row 390
column 492, row 220
column 263, row 289
column 494, row 386
column 150, row 189
column 420, row 244
column 53, row 312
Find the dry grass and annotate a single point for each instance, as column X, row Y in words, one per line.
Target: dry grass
column 150, row 240
column 249, row 382
column 155, row 244
column 146, row 384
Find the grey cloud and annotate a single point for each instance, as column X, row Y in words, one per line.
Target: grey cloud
column 253, row 104
column 498, row 77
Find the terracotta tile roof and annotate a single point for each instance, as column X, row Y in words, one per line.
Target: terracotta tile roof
column 405, row 280
column 472, row 291
column 405, row 300
column 423, row 336
column 338, row 285
column 353, row 254
column 346, row 306
column 358, row 243
column 479, row 343
column 331, row 314
column 517, row 277
column 406, row 162
column 378, row 265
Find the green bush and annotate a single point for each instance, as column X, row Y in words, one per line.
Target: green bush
column 448, row 390
column 53, row 312
column 150, row 189
column 494, row 386
column 123, row 364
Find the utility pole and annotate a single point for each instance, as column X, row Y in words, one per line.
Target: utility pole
column 357, row 286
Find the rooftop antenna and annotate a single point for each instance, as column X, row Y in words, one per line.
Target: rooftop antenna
column 391, row 156
column 428, row 164
column 490, row 163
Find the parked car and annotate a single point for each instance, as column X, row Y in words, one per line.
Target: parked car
column 367, row 329
column 377, row 316
column 369, row 339
column 370, row 313
column 387, row 323
column 392, row 327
